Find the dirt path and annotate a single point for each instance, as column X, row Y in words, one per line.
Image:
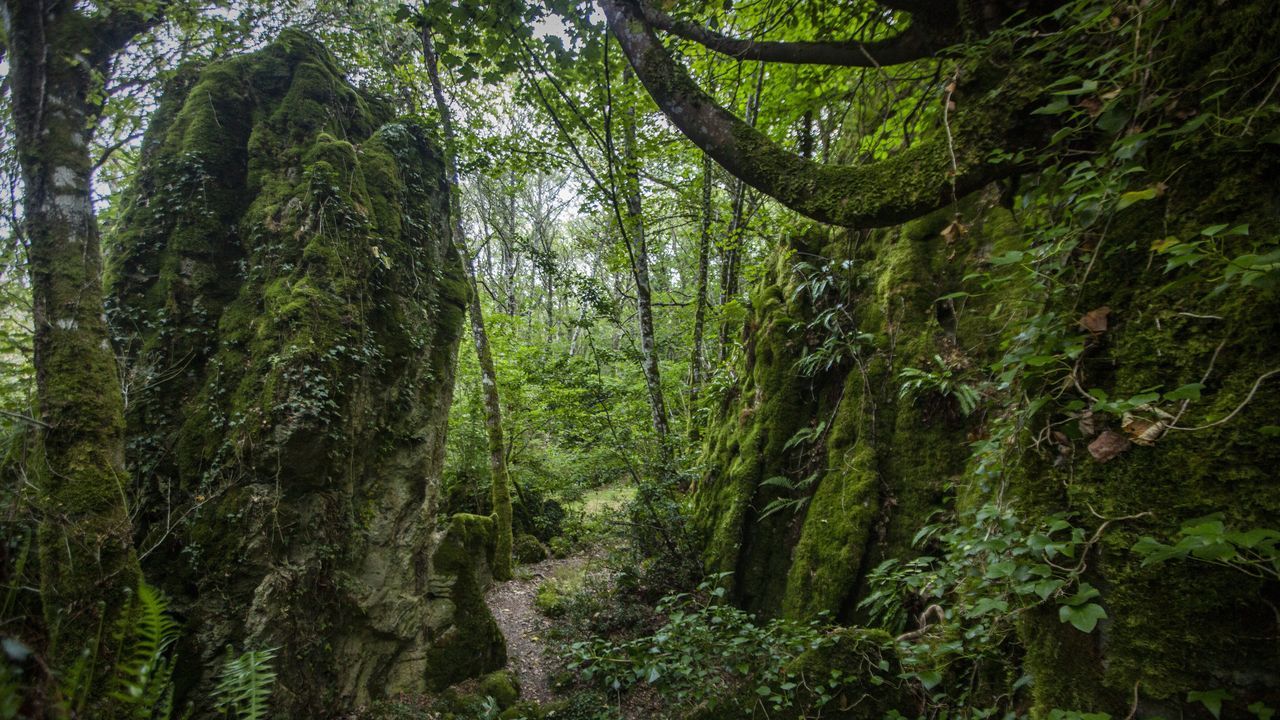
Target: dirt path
column 525, row 628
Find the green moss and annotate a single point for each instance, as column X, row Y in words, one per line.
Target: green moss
column 284, row 288
column 472, row 644
column 501, row 686
column 527, row 549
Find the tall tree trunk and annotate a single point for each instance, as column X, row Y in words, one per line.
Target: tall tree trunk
column 731, row 257
column 501, row 491
column 697, row 361
column 87, row 558
column 640, row 270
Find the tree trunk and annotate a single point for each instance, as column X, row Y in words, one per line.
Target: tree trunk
column 501, row 492
column 640, row 270
column 732, row 254
column 85, row 540
column 697, row 362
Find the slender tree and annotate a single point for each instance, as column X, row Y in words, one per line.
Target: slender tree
column 60, row 56
column 501, row 491
column 697, row 360
column 639, row 255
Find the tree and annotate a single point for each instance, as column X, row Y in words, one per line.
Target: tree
column 924, row 177
column 501, row 492
column 86, row 547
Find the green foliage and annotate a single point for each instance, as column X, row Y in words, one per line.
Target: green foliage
column 990, row 568
column 245, row 683
column 714, row 656
column 944, row 381
column 144, row 669
column 1254, row 552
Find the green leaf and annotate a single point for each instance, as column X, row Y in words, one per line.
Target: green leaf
column 1190, row 391
column 1084, row 618
column 1211, row 699
column 1136, row 196
column 929, row 678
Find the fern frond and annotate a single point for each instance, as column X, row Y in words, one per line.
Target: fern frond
column 245, row 684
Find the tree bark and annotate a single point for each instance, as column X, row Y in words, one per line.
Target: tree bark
column 640, row 270
column 916, row 42
column 87, row 558
column 697, row 361
column 921, row 179
column 501, row 492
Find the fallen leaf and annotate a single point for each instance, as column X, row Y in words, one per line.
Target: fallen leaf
column 1108, row 445
column 1142, row 430
column 1088, row 425
column 1095, row 321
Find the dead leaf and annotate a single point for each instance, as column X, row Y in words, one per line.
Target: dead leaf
column 1108, row 445
column 955, row 229
column 1095, row 321
column 1142, row 430
column 1088, row 425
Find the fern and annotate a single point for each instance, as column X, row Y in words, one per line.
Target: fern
column 143, row 674
column 245, row 683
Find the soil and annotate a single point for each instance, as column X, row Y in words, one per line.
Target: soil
column 524, row 628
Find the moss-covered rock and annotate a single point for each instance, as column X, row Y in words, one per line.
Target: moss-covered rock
column 501, row 686
column 283, row 286
column 876, row 466
column 461, row 569
column 527, row 549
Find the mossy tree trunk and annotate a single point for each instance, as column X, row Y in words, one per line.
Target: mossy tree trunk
column 499, row 478
column 57, row 56
column 638, row 253
column 697, row 359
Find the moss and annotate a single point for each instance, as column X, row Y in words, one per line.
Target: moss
column 828, row 556
column 501, row 686
column 472, row 644
column 284, row 289
column 527, row 549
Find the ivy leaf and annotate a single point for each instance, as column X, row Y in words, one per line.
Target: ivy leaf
column 1085, row 617
column 1211, row 699
column 1136, row 196
column 929, row 678
column 1190, row 391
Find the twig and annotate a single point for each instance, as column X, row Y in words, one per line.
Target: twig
column 1253, row 391
column 26, row 419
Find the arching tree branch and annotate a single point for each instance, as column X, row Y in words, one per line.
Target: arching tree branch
column 908, row 185
column 916, row 42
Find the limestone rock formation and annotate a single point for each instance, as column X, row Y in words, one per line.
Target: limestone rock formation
column 858, row 468
column 284, row 290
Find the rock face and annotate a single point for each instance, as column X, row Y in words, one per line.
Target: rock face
column 284, row 289
column 871, row 467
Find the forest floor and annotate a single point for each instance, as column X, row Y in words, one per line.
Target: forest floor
column 512, row 605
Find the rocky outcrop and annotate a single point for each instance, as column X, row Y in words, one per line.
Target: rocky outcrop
column 822, row 465
column 284, row 290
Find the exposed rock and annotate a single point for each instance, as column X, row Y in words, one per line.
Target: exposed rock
column 283, row 287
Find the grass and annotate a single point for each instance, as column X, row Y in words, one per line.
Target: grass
column 609, row 498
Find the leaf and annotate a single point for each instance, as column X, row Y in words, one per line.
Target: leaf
column 1261, row 711
column 929, row 678
column 1084, row 618
column 1136, row 196
column 1095, row 321
column 1211, row 699
column 1190, row 391
column 1108, row 445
